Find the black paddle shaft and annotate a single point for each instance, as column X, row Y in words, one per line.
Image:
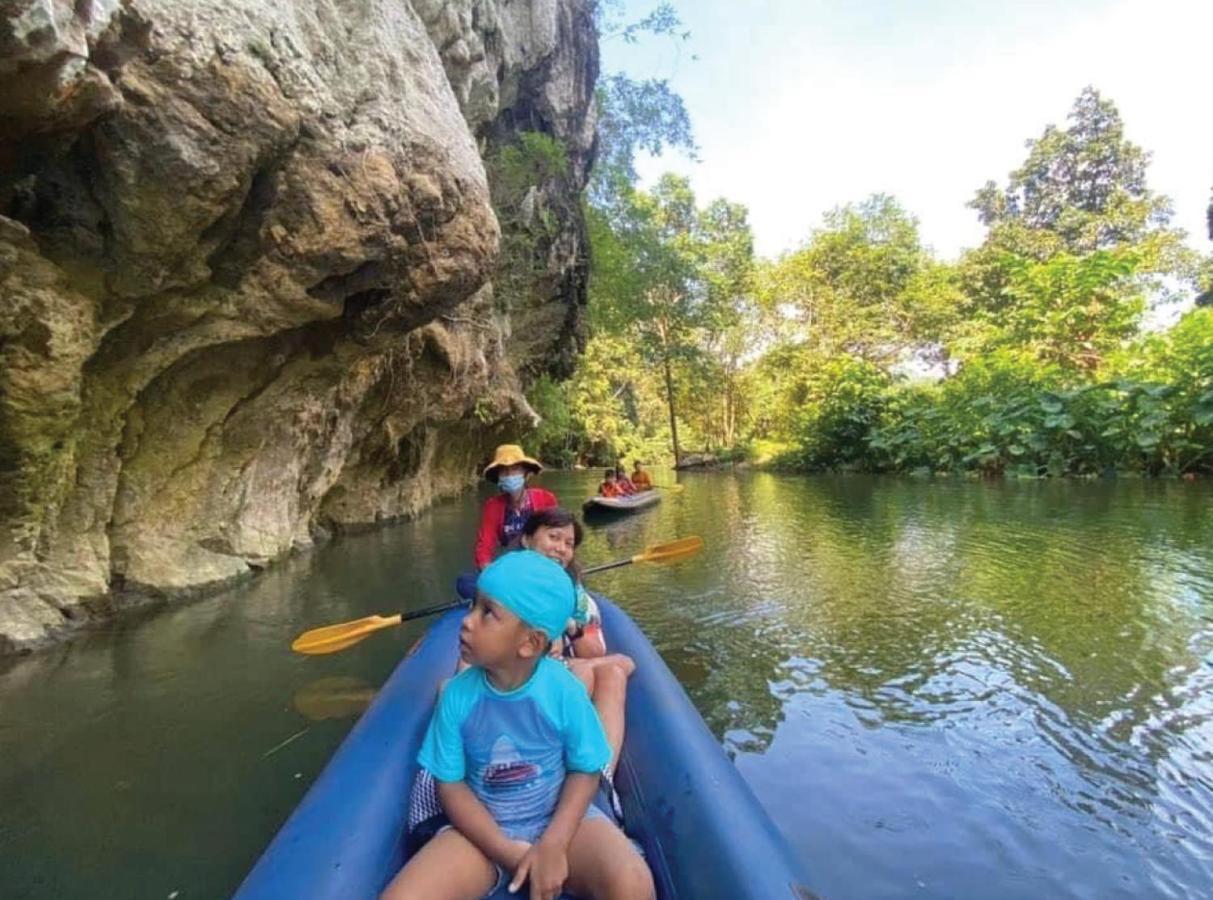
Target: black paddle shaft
column 443, row 607
column 602, row 567
column 432, row 610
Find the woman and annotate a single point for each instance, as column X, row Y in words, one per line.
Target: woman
column 505, row 513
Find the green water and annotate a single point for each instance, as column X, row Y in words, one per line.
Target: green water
column 937, row 689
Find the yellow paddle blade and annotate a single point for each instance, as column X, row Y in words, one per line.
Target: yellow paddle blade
column 671, row 552
column 332, row 638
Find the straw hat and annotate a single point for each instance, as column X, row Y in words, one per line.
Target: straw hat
column 510, row 455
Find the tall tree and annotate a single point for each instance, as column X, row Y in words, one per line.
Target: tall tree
column 1085, row 184
column 1206, row 298
column 1077, row 244
column 860, row 285
column 675, row 278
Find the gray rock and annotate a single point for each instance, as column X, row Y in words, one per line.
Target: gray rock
column 247, row 255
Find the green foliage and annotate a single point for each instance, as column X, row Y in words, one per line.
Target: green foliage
column 673, row 281
column 534, row 160
column 1007, row 413
column 1068, row 309
column 843, row 400
column 557, row 436
column 863, row 284
column 521, row 177
column 1032, row 340
column 634, row 115
column 1085, row 183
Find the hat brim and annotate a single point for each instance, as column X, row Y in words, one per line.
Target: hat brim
column 491, row 473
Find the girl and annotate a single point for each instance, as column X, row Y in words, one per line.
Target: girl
column 556, row 533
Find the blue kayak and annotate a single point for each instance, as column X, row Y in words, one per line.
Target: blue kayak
column 702, row 830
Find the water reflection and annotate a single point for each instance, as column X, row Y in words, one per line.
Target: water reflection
column 1023, row 659
column 336, row 697
column 938, row 688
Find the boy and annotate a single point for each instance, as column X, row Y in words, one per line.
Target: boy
column 625, row 487
column 640, row 478
column 609, row 488
column 516, row 747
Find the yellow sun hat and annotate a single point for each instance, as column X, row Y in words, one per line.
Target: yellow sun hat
column 510, row 455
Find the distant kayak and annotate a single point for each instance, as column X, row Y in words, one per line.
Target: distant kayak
column 703, row 832
column 630, row 503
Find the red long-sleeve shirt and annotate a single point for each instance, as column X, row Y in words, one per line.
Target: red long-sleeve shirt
column 492, row 518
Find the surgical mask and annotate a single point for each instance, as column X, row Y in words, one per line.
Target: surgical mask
column 511, row 484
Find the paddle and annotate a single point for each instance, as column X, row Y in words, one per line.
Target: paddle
column 334, row 638
column 672, row 488
column 658, row 553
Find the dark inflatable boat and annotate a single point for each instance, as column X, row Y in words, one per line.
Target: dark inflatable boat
column 703, row 832
column 616, row 506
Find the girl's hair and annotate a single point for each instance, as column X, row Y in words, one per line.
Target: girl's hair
column 621, row 472
column 556, row 517
column 610, row 473
column 553, row 517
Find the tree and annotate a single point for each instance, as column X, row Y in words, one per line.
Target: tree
column 730, row 312
column 1206, row 298
column 862, row 285
column 1086, row 184
column 1076, row 246
column 634, row 115
column 675, row 278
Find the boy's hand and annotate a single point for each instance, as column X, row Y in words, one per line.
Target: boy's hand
column 547, row 865
column 518, row 849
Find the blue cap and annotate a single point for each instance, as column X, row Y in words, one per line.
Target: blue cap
column 534, row 588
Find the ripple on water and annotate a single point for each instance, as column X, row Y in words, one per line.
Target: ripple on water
column 937, row 688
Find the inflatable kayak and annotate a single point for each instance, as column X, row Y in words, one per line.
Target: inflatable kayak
column 621, row 504
column 702, row 830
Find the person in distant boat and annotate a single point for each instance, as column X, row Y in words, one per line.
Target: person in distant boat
column 505, row 513
column 556, row 534
column 516, row 749
column 626, row 488
column 609, row 488
column 640, row 478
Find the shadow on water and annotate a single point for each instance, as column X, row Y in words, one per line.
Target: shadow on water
column 937, row 688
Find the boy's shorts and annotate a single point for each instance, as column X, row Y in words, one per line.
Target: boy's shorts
column 530, row 835
column 426, row 820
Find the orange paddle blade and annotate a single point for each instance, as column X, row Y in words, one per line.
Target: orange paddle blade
column 333, row 638
column 671, row 552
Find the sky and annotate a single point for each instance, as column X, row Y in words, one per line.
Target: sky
column 799, row 106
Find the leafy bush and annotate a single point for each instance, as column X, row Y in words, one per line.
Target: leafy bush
column 1008, row 413
column 844, row 398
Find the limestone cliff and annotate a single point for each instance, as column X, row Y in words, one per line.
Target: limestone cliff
column 247, row 264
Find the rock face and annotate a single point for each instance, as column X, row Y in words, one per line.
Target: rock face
column 247, row 265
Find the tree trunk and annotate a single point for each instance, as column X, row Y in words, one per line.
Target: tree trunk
column 669, row 396
column 727, row 423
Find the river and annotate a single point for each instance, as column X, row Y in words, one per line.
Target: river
column 937, row 688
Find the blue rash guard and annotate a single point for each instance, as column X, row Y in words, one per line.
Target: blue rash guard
column 514, row 748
